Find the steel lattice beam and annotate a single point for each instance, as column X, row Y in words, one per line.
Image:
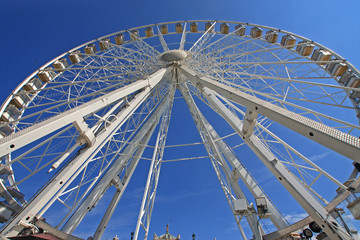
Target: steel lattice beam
column 149, row 195
column 76, row 114
column 288, row 180
column 53, row 189
column 216, row 157
column 332, row 138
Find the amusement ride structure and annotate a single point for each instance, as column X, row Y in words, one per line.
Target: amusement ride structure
column 80, row 124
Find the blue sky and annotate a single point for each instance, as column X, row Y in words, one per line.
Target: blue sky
column 189, row 198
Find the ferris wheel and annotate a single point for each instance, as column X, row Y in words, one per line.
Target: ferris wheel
column 80, row 124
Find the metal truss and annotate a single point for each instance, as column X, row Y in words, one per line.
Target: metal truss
column 295, row 187
column 307, row 171
column 222, row 170
column 82, row 161
column 119, row 174
column 148, row 199
column 289, row 153
column 343, row 143
column 272, row 69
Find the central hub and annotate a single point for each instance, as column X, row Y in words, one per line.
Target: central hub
column 173, row 56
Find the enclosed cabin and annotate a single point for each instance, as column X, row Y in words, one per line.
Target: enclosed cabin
column 33, row 85
column 90, row 49
column 353, row 201
column 134, row 35
column 60, row 65
column 271, row 36
column 288, row 41
column 149, row 32
column 10, row 113
column 321, row 55
column 224, row 28
column 179, row 28
column 5, row 171
column 75, row 56
column 349, row 79
column 20, row 99
column 104, row 44
column 356, row 94
column 240, row 30
column 305, row 48
column 119, row 39
column 6, row 130
column 255, row 32
column 208, row 26
column 193, row 27
column 15, row 193
column 14, row 200
column 336, row 69
column 6, row 212
column 164, row 29
column 2, row 134
column 46, row 75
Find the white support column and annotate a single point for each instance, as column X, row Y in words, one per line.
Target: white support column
column 122, row 183
column 100, row 188
column 105, row 182
column 122, row 117
column 149, row 192
column 217, row 159
column 281, row 141
column 103, row 136
column 37, row 131
column 148, row 200
column 63, row 179
column 239, row 171
column 332, row 138
column 108, row 214
column 288, row 180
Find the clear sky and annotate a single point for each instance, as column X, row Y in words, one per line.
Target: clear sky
column 189, row 198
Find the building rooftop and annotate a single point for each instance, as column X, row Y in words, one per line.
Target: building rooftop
column 167, row 235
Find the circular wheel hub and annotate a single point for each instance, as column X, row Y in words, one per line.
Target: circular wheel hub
column 173, row 56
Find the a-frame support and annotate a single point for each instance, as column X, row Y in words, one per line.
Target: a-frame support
column 221, row 168
column 148, row 199
column 288, row 180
